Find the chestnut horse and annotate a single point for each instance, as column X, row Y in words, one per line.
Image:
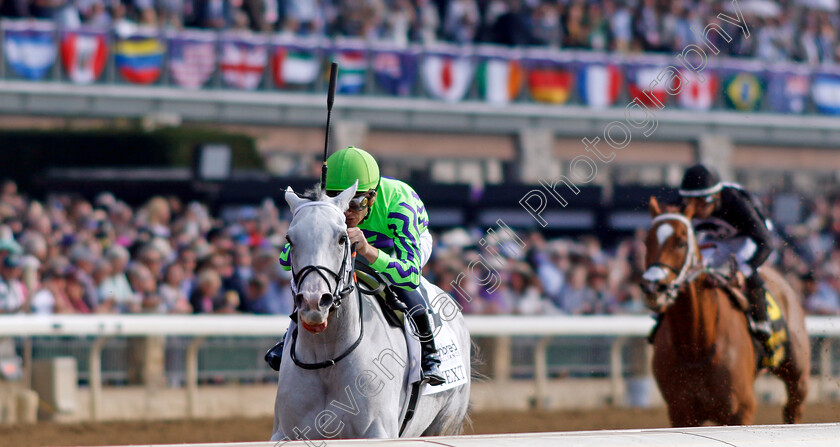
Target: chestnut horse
column 704, row 360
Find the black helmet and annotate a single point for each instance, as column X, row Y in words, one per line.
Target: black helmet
column 700, row 181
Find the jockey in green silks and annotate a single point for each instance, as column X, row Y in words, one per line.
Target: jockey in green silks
column 388, row 224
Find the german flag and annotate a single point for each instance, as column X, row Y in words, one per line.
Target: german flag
column 550, row 85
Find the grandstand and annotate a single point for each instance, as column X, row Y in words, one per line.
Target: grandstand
column 118, row 116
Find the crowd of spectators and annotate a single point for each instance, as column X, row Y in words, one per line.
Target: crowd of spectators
column 69, row 255
column 779, row 30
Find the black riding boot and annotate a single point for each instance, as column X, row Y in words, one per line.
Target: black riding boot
column 756, row 291
column 421, row 314
column 273, row 356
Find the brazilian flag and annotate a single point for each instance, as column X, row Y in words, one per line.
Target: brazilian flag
column 743, row 91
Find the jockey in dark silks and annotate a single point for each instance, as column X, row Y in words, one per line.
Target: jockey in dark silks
column 388, row 223
column 732, row 219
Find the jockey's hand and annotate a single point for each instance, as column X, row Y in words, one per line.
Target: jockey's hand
column 363, row 249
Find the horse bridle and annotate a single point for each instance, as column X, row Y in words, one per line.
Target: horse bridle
column 342, row 277
column 688, row 271
column 345, row 275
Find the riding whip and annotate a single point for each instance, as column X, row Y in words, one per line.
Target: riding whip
column 330, row 100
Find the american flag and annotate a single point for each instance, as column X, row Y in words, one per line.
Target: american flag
column 192, row 61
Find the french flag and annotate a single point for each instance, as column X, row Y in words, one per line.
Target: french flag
column 599, row 85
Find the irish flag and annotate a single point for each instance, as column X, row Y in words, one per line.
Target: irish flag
column 500, row 80
column 294, row 67
column 447, row 77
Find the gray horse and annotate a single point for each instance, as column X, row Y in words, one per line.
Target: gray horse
column 346, row 375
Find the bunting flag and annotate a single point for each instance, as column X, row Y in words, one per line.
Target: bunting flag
column 243, row 63
column 395, row 71
column 294, row 67
column 787, row 92
column 599, row 85
column 549, row 81
column 698, row 95
column 352, row 68
column 500, row 80
column 638, row 86
column 30, row 51
column 84, row 55
column 192, row 59
column 139, row 58
column 743, row 92
column 446, row 76
column 825, row 90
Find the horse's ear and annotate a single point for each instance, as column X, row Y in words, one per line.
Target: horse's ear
column 688, row 211
column 342, row 201
column 293, row 200
column 654, row 207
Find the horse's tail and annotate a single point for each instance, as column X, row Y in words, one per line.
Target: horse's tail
column 476, row 360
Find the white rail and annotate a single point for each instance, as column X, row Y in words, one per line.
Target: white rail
column 810, row 435
column 502, row 328
column 255, row 325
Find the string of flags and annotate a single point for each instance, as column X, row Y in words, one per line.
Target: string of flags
column 496, row 75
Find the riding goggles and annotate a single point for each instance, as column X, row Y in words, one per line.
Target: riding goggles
column 707, row 199
column 358, row 202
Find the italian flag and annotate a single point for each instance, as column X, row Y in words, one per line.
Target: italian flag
column 447, row 77
column 500, row 81
column 294, row 67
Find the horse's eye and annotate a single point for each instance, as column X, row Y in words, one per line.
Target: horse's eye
column 682, row 244
column 289, row 240
column 342, row 240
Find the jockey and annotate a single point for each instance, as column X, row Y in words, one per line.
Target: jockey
column 389, row 225
column 731, row 217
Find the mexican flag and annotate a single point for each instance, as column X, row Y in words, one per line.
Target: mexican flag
column 293, row 67
column 500, row 80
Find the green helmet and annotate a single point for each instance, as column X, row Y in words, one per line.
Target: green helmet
column 351, row 164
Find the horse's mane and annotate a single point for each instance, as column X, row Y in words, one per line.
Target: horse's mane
column 314, row 193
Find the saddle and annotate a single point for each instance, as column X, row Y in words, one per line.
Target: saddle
column 371, row 283
column 770, row 352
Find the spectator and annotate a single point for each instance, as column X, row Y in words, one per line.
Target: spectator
column 13, row 294
column 116, row 288
column 820, row 297
column 51, row 298
column 576, row 298
column 207, row 296
column 171, row 292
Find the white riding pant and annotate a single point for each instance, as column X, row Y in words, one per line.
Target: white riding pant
column 718, row 256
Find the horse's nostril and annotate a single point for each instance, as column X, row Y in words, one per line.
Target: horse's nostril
column 326, row 300
column 298, row 300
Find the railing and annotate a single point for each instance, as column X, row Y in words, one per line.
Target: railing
column 620, row 329
column 809, row 435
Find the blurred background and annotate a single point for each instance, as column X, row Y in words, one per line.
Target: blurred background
column 146, row 146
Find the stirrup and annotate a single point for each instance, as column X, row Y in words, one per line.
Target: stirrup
column 430, row 370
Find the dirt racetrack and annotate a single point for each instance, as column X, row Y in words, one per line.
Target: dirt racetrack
column 232, row 430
